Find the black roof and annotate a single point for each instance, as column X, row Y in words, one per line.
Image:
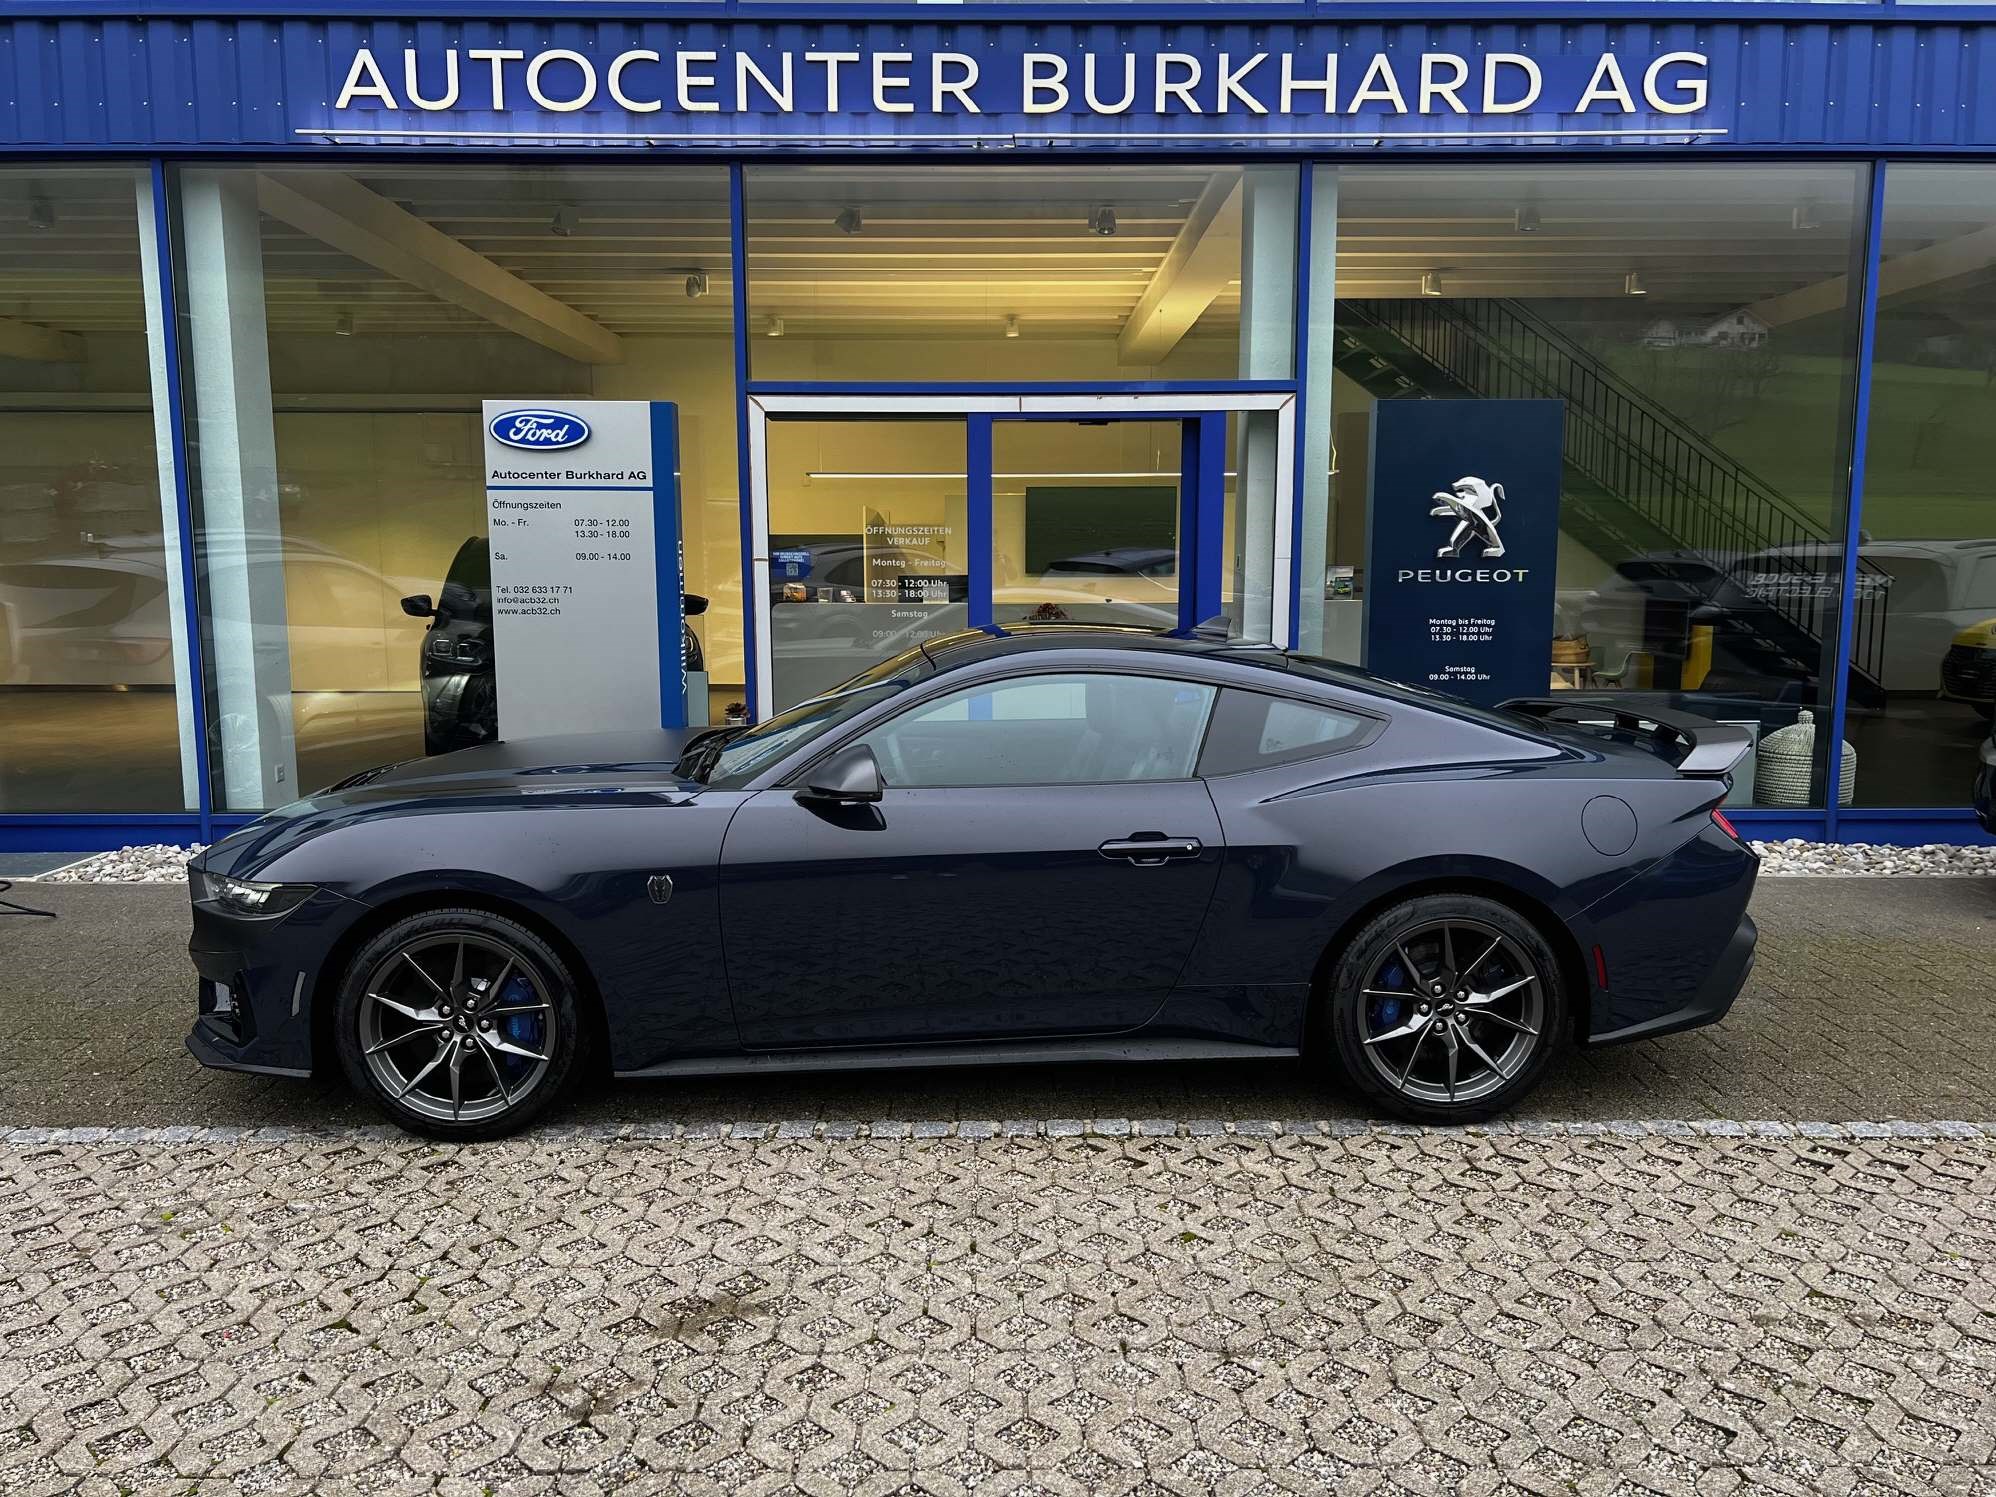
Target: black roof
column 972, row 645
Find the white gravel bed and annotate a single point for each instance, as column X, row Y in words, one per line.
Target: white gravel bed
column 152, row 863
column 165, row 863
column 1932, row 859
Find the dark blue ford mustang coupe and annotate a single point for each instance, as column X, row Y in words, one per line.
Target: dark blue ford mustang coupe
column 1057, row 843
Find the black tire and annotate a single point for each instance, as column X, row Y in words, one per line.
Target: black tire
column 1408, row 933
column 549, row 1030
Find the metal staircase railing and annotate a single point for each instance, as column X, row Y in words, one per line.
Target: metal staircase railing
column 1648, row 459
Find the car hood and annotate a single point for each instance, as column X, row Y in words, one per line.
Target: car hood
column 566, row 768
column 525, row 762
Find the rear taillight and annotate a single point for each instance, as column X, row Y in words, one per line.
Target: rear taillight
column 1719, row 820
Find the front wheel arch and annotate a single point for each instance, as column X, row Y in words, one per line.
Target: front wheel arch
column 1572, row 961
column 326, row 988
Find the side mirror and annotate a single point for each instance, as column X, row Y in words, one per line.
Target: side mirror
column 692, row 605
column 850, row 776
column 419, row 606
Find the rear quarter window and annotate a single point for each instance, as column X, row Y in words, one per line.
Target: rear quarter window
column 1252, row 730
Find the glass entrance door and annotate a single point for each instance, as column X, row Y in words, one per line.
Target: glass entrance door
column 1087, row 522
column 879, row 522
column 868, row 550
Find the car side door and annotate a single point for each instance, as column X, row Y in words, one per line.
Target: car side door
column 1037, row 865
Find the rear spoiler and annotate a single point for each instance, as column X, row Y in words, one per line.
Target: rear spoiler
column 1710, row 749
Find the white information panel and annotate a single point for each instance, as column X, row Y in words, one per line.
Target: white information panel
column 584, row 517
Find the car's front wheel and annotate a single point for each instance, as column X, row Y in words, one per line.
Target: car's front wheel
column 459, row 1024
column 1446, row 1008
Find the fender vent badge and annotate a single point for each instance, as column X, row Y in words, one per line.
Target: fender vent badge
column 659, row 885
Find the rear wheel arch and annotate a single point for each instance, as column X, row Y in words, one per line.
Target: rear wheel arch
column 326, row 989
column 1565, row 946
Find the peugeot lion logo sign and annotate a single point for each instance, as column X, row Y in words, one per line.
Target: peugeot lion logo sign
column 540, row 430
column 1476, row 507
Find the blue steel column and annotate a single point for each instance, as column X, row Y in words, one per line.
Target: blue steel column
column 169, row 301
column 669, row 563
column 978, row 537
column 1202, row 516
column 1212, row 531
column 738, row 274
column 1189, row 432
column 1305, row 188
column 1874, row 236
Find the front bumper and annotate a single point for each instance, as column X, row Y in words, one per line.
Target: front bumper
column 220, row 1054
column 256, row 980
column 1968, row 674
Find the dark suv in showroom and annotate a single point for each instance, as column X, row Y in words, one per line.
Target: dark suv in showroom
column 460, row 700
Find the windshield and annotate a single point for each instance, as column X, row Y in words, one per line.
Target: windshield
column 740, row 759
column 729, row 761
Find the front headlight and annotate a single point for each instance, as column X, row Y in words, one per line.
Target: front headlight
column 241, row 896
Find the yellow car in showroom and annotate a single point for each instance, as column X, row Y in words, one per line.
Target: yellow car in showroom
column 1968, row 669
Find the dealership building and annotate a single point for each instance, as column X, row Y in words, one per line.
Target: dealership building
column 1643, row 350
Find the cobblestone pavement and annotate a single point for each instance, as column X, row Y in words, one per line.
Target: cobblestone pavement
column 689, row 1303
column 1872, row 999
column 1360, row 1310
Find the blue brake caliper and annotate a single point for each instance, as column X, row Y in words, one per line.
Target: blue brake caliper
column 522, row 1029
column 1384, row 1013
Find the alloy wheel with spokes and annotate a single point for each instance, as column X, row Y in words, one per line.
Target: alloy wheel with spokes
column 1448, row 1007
column 460, row 1023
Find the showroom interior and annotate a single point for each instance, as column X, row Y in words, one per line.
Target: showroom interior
column 337, row 324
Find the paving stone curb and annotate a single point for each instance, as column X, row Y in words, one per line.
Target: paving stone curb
column 980, row 1129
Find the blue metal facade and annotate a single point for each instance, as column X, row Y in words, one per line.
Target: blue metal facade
column 1867, row 81
column 1780, row 78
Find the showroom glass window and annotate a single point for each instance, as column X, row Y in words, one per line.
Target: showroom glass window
column 1697, row 324
column 92, row 639
column 343, row 328
column 1068, row 273
column 1923, row 648
column 1065, row 275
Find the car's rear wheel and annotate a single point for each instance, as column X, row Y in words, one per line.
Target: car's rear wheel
column 1446, row 1008
column 459, row 1024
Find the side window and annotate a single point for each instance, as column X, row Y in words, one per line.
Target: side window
column 1981, row 594
column 1047, row 730
column 1253, row 731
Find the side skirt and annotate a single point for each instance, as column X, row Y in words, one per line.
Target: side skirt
column 912, row 1057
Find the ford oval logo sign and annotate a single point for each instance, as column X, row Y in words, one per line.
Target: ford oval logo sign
column 540, row 431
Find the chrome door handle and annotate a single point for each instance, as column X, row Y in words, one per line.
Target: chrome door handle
column 1151, row 852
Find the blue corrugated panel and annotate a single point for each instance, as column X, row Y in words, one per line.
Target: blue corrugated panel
column 175, row 83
